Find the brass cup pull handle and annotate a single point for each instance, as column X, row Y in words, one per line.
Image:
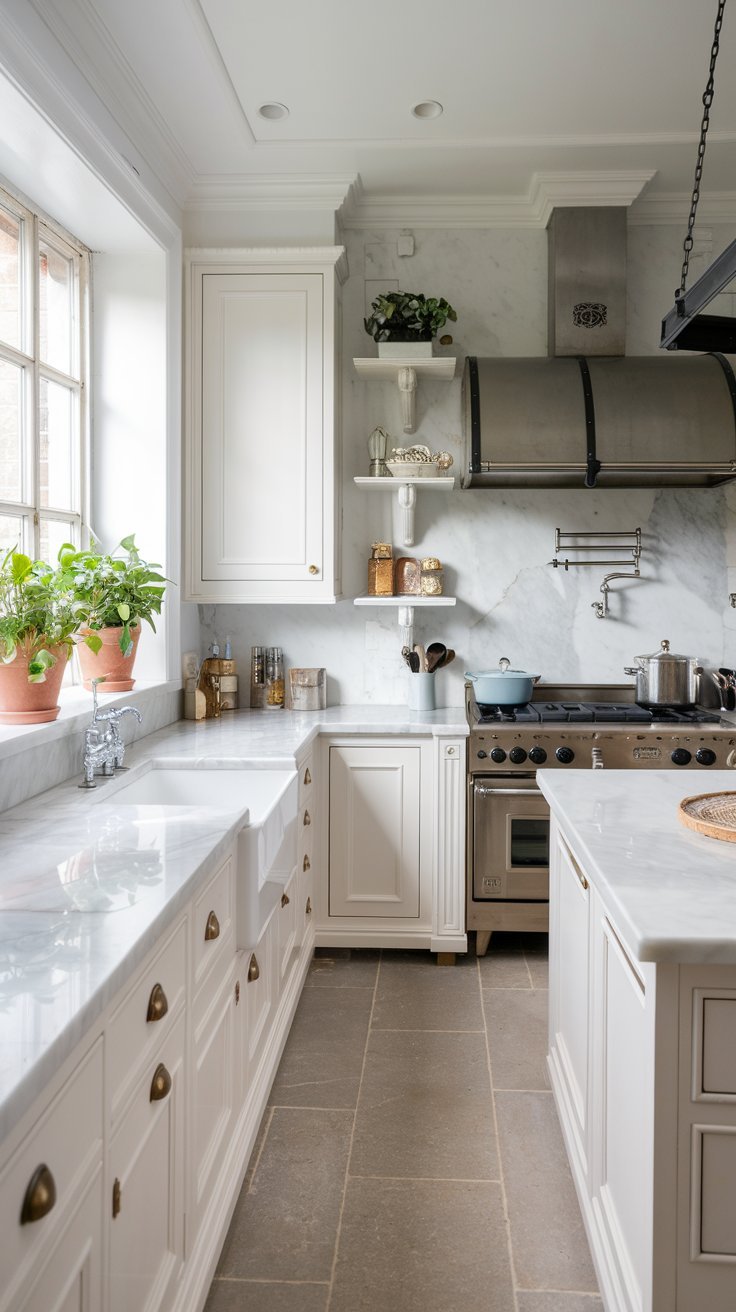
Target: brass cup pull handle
column 285, row 899
column 307, row 776
column 158, row 1004
column 254, row 970
column 40, row 1195
column 306, row 864
column 307, row 818
column 160, row 1084
column 212, row 928
column 308, row 907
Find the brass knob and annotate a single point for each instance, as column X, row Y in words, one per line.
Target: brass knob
column 314, row 569
column 158, row 1004
column 307, row 776
column 254, row 970
column 212, row 928
column 237, row 992
column 40, row 1195
column 306, row 864
column 285, row 900
column 307, row 818
column 160, row 1084
column 308, row 907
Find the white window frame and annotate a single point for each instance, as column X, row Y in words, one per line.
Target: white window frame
column 39, row 228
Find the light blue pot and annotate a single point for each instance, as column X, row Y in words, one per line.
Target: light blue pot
column 507, row 688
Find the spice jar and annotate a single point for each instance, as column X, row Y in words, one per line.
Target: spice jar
column 274, row 678
column 381, row 570
column 432, row 577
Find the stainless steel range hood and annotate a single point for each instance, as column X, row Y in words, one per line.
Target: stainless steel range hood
column 588, row 415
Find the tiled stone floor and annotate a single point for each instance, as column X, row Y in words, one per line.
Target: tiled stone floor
column 410, row 1156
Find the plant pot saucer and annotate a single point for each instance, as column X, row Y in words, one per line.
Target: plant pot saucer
column 29, row 717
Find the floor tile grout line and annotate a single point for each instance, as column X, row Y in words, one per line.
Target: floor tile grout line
column 352, row 1137
column 266, row 1280
column 502, row 1179
column 428, row 1179
column 379, row 1029
column 257, row 1162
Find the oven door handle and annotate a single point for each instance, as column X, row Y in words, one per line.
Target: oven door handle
column 506, row 792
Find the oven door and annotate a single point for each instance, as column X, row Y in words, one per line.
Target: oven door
column 510, row 839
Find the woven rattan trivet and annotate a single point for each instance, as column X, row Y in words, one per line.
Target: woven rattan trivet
column 712, row 814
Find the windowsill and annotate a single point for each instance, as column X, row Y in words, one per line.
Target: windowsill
column 75, row 713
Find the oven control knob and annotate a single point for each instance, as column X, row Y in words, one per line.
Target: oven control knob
column 565, row 755
column 498, row 755
column 538, row 755
column 681, row 756
column 704, row 756
column 517, row 755
column 482, row 755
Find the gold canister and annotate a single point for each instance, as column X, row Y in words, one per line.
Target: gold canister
column 381, row 570
column 431, row 580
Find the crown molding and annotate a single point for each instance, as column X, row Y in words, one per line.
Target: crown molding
column 281, row 256
column 673, row 208
column 547, row 191
column 278, row 192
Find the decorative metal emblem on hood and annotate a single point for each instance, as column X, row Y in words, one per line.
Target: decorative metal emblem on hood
column 590, row 314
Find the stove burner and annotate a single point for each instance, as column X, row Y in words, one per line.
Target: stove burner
column 590, row 713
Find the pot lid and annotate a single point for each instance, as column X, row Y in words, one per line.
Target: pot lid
column 664, row 654
column 503, row 672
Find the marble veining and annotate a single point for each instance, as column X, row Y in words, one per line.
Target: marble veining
column 671, row 890
column 88, row 883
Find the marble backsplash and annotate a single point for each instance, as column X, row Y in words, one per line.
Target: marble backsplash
column 496, row 545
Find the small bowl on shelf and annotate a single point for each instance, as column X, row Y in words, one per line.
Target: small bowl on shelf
column 412, row 468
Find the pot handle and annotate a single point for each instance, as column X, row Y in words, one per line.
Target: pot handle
column 632, row 669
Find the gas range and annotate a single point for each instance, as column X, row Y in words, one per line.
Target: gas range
column 594, row 726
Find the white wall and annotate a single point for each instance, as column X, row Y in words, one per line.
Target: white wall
column 496, row 545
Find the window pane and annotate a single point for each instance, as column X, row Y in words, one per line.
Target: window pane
column 11, row 533
column 57, row 405
column 56, row 297
column 11, row 414
column 10, row 272
column 54, row 532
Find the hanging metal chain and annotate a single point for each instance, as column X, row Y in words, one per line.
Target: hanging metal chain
column 687, row 245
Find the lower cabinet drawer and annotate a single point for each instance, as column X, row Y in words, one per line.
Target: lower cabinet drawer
column 71, row 1279
column 286, row 921
column 212, row 921
column 42, row 1183
column 147, row 1180
column 140, row 1024
column 257, row 973
column 215, row 1102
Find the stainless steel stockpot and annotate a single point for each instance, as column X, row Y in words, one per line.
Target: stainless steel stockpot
column 666, row 679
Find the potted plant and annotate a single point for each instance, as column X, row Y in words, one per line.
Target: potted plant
column 408, row 319
column 113, row 594
column 36, row 626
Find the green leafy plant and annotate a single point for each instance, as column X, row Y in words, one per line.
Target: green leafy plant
column 111, row 591
column 34, row 615
column 409, row 317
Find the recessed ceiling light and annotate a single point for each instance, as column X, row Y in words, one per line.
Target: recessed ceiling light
column 427, row 109
column 273, row 110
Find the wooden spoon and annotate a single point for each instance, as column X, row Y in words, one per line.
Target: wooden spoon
column 419, row 649
column 436, row 653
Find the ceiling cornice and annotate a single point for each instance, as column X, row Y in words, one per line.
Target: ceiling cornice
column 547, row 191
column 315, row 191
column 673, row 208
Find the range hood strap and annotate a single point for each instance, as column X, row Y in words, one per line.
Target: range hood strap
column 730, row 378
column 475, row 463
column 593, row 465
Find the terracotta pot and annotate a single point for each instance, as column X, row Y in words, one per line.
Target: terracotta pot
column 22, row 702
column 109, row 662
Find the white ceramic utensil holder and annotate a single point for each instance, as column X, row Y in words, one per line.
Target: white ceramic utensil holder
column 421, row 692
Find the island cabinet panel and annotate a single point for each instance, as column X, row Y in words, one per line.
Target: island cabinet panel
column 569, row 1015
column 374, row 831
column 216, row 1086
column 263, row 478
column 71, row 1279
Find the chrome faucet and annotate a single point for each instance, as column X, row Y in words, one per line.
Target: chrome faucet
column 104, row 748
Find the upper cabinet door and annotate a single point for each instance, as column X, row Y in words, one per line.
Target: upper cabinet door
column 262, row 474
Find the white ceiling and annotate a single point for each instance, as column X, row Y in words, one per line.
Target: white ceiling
column 539, row 87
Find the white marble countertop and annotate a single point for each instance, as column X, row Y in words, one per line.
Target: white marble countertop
column 89, row 884
column 671, row 891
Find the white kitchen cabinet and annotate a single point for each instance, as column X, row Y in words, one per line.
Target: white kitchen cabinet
column 216, row 1084
column 569, row 1001
column 146, row 1170
column 71, row 1279
column 262, row 425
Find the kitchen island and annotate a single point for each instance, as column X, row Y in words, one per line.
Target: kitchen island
column 642, row 1034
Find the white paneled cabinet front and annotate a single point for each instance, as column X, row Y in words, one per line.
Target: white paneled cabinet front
column 375, row 845
column 263, row 482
